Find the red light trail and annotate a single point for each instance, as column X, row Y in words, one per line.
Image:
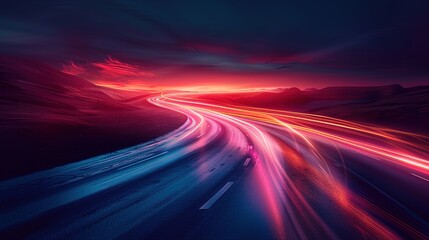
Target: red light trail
column 296, row 142
column 288, row 175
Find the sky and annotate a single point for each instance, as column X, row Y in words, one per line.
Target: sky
column 305, row 43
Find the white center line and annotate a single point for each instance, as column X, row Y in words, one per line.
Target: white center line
column 415, row 175
column 247, row 162
column 216, row 197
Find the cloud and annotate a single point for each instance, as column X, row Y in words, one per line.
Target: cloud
column 217, row 36
column 110, row 69
column 115, row 68
column 73, row 69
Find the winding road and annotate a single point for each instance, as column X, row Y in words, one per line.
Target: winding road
column 233, row 172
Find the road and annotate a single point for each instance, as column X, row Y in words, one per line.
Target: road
column 233, row 172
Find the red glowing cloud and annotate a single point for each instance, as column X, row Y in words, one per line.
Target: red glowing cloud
column 125, row 75
column 73, row 69
column 113, row 67
column 111, row 70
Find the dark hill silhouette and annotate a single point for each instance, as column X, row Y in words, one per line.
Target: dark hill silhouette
column 49, row 118
column 391, row 105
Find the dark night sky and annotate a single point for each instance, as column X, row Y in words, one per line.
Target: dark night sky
column 360, row 40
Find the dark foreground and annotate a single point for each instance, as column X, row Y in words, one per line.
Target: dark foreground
column 228, row 175
column 48, row 118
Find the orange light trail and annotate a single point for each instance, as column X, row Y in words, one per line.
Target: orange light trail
column 288, row 142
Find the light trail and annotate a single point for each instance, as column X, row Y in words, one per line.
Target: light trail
column 296, row 144
column 301, row 176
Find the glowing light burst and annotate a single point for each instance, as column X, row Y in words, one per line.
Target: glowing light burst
column 291, row 145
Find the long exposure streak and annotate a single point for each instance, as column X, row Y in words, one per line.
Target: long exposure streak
column 290, row 144
column 214, row 120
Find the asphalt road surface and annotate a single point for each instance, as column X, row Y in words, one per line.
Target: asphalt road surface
column 233, row 172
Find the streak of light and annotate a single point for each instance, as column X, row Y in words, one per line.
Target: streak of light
column 297, row 149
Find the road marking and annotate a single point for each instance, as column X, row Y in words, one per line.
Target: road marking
column 247, row 162
column 216, row 197
column 415, row 175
